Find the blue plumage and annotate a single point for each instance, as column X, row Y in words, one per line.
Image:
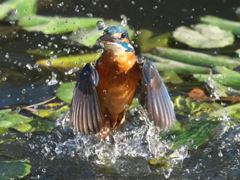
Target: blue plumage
column 116, row 29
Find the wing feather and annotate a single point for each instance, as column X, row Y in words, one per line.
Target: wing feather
column 157, row 100
column 85, row 109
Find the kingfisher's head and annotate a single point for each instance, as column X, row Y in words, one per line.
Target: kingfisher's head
column 116, row 39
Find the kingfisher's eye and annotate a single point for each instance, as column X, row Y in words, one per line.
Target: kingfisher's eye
column 123, row 35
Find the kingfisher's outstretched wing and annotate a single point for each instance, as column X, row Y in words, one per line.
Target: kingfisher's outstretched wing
column 157, row 99
column 85, row 110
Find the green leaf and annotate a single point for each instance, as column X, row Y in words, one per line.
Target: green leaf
column 14, row 169
column 204, row 36
column 230, row 110
column 200, row 128
column 229, row 80
column 35, row 125
column 90, row 34
column 189, row 107
column 69, row 61
column 46, row 52
column 146, row 42
column 198, row 132
column 196, row 58
column 65, row 92
column 7, row 7
column 23, row 8
column 228, row 25
column 172, row 77
column 22, row 123
column 51, row 114
column 163, row 64
column 134, row 103
column 20, row 8
column 55, row 25
column 238, row 52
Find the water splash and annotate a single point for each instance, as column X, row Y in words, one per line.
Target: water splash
column 136, row 145
column 53, row 81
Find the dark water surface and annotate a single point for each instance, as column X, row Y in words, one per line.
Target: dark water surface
column 58, row 155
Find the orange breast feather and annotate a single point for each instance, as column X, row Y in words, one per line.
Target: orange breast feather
column 118, row 79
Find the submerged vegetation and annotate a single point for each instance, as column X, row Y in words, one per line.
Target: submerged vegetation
column 200, row 115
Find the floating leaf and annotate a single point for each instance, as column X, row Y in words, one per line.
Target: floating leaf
column 189, row 107
column 90, row 34
column 233, row 26
column 204, row 36
column 70, row 61
column 45, row 52
column 19, row 8
column 146, row 42
column 51, row 114
column 230, row 110
column 65, row 92
column 199, row 95
column 14, row 169
column 55, row 25
column 196, row 58
column 22, row 123
column 228, row 80
column 163, row 64
column 172, row 77
column 238, row 52
column 23, row 8
column 197, row 132
column 217, row 87
column 199, row 129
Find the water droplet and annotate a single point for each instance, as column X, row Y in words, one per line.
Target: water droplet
column 100, row 25
column 29, row 66
column 124, row 20
column 126, row 106
column 4, row 78
column 71, row 71
column 18, row 109
column 48, row 63
column 140, row 59
column 90, row 15
column 61, row 4
column 105, row 91
column 220, row 154
column 190, row 142
column 23, row 91
column 64, row 37
column 100, row 51
column 7, row 55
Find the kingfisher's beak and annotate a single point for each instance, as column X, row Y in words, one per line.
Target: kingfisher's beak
column 107, row 38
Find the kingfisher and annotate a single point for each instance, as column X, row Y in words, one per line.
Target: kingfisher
column 105, row 89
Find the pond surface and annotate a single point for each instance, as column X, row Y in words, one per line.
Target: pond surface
column 60, row 154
